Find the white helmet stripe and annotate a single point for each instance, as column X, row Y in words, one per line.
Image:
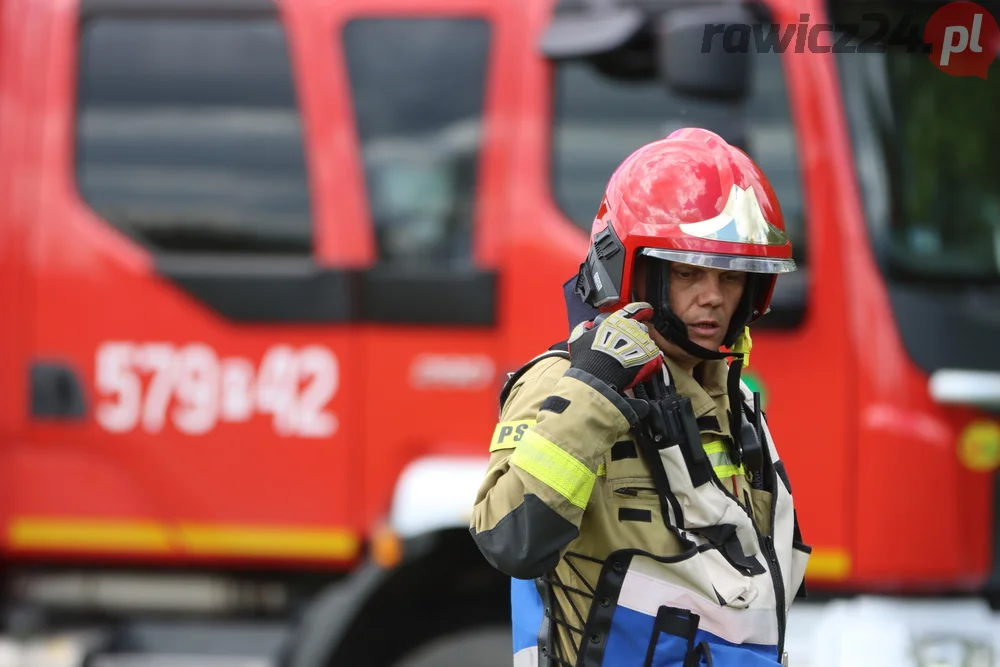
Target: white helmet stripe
column 741, row 221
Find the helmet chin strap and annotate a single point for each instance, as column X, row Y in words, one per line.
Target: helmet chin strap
column 671, row 326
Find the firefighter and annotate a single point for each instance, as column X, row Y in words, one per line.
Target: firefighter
column 634, row 494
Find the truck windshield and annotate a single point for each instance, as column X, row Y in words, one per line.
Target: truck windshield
column 925, row 149
column 926, row 146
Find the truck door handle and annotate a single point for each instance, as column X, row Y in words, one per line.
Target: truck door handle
column 965, row 387
column 56, row 392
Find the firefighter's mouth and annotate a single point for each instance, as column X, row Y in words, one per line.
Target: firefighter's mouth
column 704, row 328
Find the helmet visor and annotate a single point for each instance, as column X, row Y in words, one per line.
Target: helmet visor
column 723, row 262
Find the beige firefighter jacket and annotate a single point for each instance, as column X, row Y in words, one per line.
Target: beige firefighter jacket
column 567, row 486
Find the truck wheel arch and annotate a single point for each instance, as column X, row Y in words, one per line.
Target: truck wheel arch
column 443, row 585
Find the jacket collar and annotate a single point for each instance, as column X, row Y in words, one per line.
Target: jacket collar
column 709, row 397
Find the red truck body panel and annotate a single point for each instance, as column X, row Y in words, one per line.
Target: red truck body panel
column 161, row 470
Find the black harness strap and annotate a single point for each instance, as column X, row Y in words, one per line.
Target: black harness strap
column 557, row 350
column 651, row 452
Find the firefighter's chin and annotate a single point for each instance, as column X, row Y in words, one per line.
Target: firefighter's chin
column 679, row 356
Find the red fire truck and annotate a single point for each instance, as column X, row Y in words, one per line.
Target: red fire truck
column 265, row 266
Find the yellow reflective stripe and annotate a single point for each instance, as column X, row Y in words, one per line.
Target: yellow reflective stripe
column 832, row 564
column 718, row 456
column 729, row 470
column 507, row 434
column 714, row 447
column 602, row 470
column 552, row 466
column 268, row 542
column 91, row 535
column 88, row 535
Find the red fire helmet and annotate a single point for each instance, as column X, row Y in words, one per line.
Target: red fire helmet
column 690, row 198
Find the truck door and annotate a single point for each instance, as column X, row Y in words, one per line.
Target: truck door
column 430, row 91
column 192, row 358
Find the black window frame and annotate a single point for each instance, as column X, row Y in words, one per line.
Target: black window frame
column 433, row 292
column 240, row 288
column 405, row 140
column 92, row 11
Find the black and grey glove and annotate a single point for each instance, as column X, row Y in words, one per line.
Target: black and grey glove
column 616, row 348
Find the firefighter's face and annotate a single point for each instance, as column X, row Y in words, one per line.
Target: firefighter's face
column 704, row 299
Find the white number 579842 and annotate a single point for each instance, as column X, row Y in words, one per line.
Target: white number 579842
column 147, row 385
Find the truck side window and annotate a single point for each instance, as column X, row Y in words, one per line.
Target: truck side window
column 189, row 137
column 418, row 89
column 598, row 120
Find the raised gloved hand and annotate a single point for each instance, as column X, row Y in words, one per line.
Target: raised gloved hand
column 616, row 348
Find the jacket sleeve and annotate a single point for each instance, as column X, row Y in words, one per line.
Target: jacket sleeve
column 555, row 427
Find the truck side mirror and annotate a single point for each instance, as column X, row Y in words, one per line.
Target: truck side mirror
column 704, row 51
column 582, row 28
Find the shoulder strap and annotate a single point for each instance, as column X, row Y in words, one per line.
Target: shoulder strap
column 558, row 350
column 668, row 501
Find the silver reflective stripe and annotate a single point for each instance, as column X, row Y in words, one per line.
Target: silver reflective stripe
column 747, row 617
column 719, row 459
column 526, row 657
